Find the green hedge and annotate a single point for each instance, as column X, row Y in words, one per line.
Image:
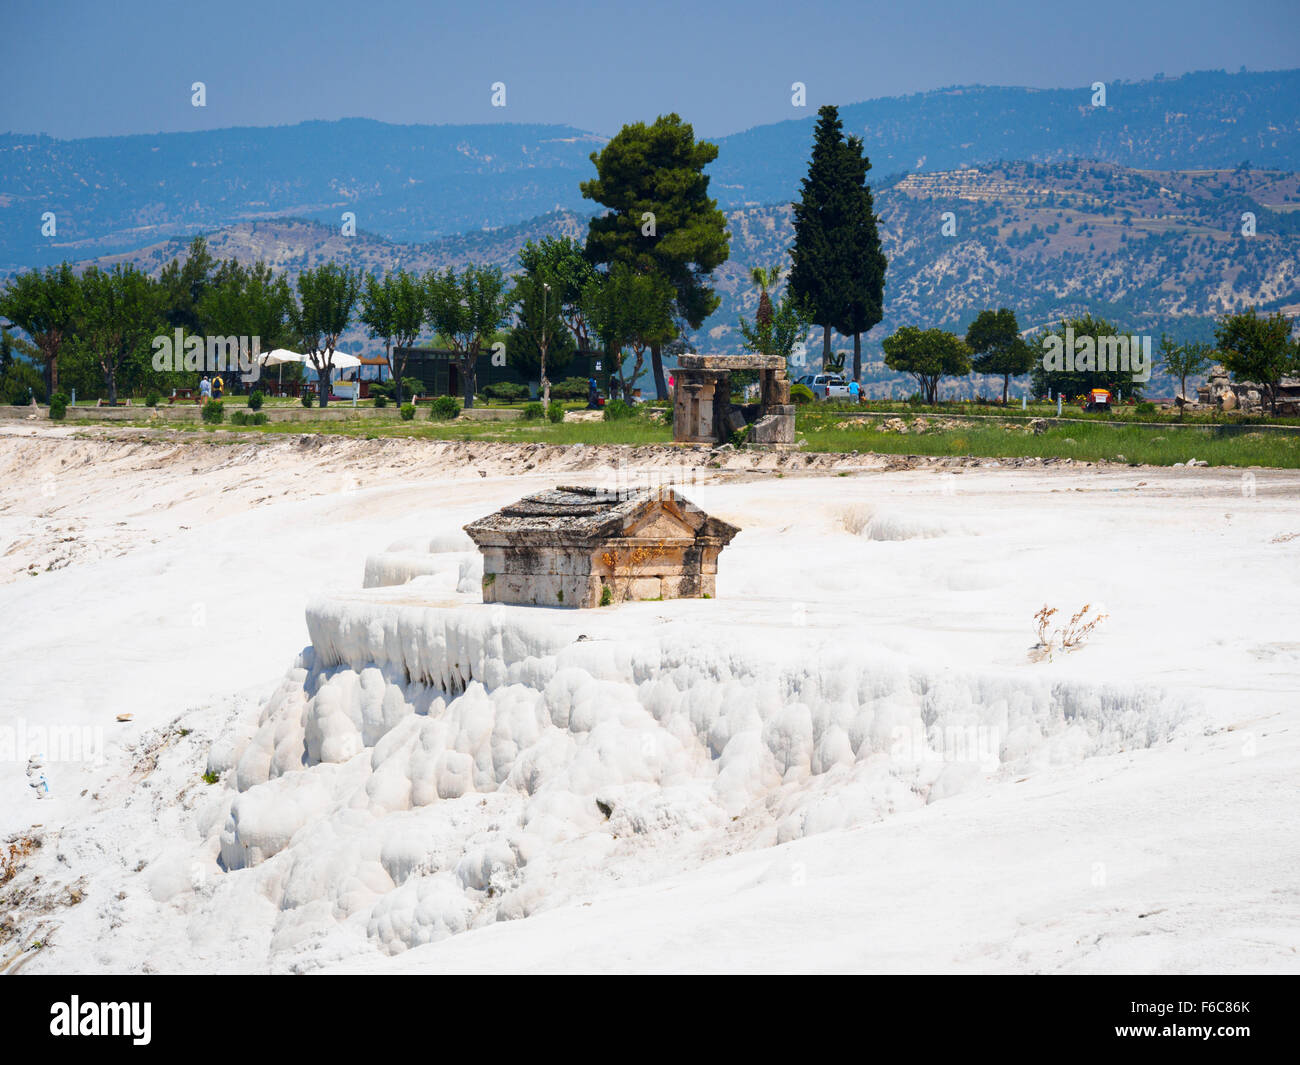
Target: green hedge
column 506, row 391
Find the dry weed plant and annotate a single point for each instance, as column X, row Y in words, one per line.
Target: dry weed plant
column 855, row 518
column 1070, row 637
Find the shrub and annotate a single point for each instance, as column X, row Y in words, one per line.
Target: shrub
column 255, row 400
column 213, row 413
column 606, row 595
column 443, row 409
column 239, row 417
column 533, row 412
column 1146, row 408
column 506, row 391
column 381, row 400
column 569, row 388
column 388, row 389
column 555, row 412
column 257, row 418
column 58, row 406
column 617, row 410
column 152, row 399
column 306, row 399
column 800, row 394
column 408, row 411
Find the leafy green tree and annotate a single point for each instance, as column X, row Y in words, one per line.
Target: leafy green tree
column 785, row 328
column 568, row 270
column 467, row 309
column 247, row 302
column 20, row 380
column 629, row 310
column 122, row 311
column 540, row 340
column 995, row 339
column 45, row 306
column 327, row 297
column 661, row 219
column 1258, row 349
column 928, row 355
column 823, row 267
column 184, row 284
column 1072, row 383
column 393, row 310
column 776, row 329
column 865, row 258
column 1181, row 361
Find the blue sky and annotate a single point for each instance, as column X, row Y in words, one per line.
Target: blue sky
column 76, row 69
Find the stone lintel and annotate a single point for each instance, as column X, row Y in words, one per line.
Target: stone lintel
column 731, row 362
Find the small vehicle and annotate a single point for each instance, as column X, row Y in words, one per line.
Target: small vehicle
column 1097, row 399
column 827, row 386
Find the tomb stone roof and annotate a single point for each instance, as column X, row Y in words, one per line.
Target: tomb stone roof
column 582, row 513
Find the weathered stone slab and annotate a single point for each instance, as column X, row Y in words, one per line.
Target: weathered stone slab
column 731, row 362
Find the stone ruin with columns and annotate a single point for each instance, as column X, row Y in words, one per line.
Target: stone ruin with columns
column 702, row 409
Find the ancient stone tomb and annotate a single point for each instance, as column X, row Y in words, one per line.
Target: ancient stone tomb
column 587, row 547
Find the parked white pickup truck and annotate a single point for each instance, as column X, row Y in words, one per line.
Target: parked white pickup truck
column 829, row 386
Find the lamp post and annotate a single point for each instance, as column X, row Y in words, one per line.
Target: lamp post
column 546, row 384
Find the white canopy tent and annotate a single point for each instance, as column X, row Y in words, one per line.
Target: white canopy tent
column 340, row 361
column 278, row 357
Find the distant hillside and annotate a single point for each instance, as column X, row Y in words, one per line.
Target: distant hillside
column 1153, row 250
column 404, row 182
column 413, row 183
column 1207, row 120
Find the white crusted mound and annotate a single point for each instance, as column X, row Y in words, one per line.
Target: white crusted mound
column 885, row 525
column 452, row 557
column 421, row 771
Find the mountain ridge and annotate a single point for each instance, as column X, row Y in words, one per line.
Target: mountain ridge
column 414, row 183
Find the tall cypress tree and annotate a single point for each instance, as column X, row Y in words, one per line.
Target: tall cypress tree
column 866, row 263
column 820, row 274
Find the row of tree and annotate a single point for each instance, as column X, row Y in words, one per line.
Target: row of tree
column 96, row 329
column 638, row 283
column 1251, row 347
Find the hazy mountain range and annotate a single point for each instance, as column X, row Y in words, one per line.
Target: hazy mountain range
column 1149, row 234
column 413, row 183
column 1154, row 250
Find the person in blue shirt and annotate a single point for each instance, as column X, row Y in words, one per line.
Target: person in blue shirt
column 855, row 392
